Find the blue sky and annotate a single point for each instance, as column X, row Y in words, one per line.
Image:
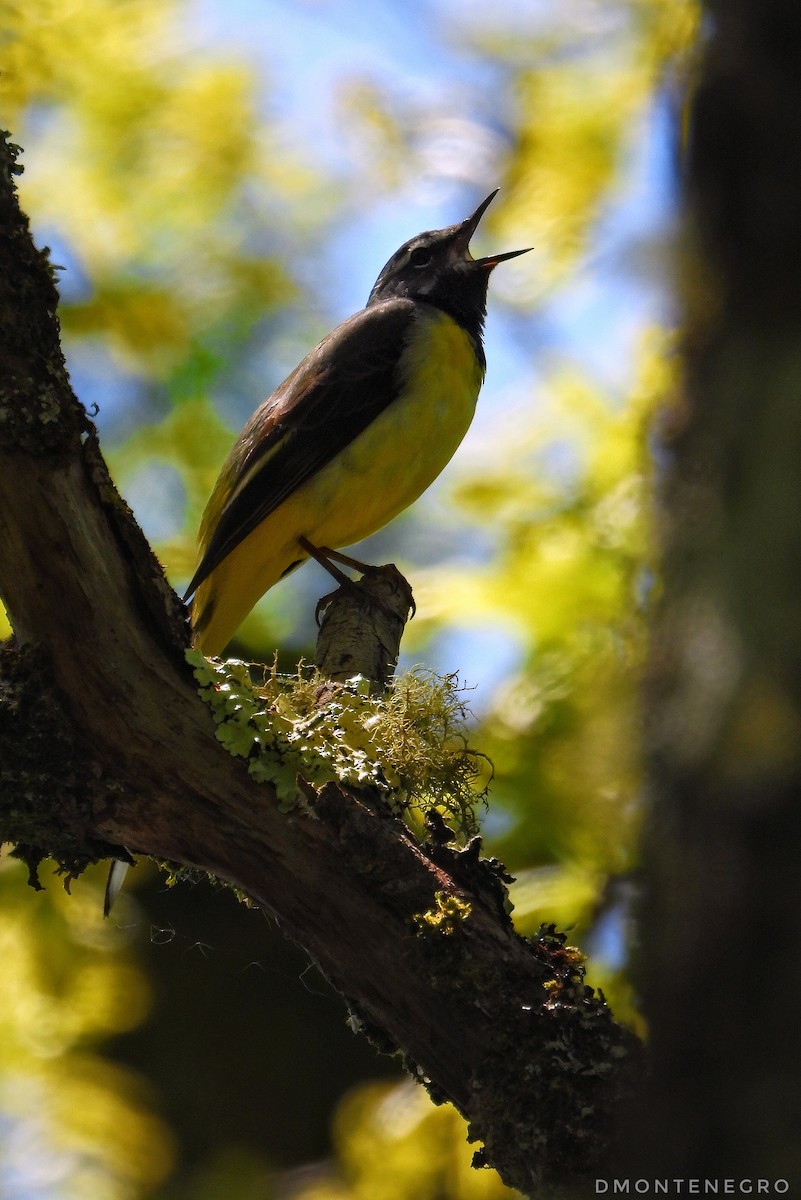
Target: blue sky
column 305, row 49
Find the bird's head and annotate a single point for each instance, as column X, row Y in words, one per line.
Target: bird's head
column 438, row 267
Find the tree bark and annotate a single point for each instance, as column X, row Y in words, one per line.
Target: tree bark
column 105, row 742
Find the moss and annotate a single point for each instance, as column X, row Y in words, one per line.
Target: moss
column 38, row 412
column 485, row 878
column 409, row 744
column 566, row 1098
column 49, row 784
column 445, row 917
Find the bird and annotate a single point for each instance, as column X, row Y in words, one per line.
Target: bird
column 351, row 438
column 354, row 435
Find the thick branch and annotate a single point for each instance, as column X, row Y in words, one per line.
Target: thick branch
column 416, row 937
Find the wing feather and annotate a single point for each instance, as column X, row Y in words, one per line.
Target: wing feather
column 327, row 401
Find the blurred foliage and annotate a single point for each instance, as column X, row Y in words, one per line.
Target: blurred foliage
column 391, row 1143
column 190, row 220
column 71, row 1124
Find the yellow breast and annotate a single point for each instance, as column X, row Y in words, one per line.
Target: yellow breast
column 402, row 452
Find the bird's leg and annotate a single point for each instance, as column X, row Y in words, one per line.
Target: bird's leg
column 323, row 556
column 356, row 563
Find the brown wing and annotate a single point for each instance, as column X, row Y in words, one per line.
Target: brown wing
column 327, row 401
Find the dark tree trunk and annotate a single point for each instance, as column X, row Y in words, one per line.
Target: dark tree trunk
column 721, row 933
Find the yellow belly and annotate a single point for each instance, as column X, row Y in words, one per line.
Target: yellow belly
column 377, row 476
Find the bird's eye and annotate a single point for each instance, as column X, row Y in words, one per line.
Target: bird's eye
column 420, row 257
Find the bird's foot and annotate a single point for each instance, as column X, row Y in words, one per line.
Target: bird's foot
column 327, row 558
column 372, row 593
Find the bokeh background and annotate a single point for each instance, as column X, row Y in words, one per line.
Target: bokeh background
column 220, row 183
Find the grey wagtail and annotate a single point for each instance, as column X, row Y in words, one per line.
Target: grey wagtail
column 354, row 435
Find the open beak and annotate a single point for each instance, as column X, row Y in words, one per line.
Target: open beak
column 467, row 228
column 493, row 259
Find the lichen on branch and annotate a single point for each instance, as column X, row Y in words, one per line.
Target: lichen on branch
column 409, row 743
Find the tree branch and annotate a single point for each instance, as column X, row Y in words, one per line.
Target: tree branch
column 415, row 936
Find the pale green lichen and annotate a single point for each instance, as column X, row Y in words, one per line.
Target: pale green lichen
column 409, row 743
